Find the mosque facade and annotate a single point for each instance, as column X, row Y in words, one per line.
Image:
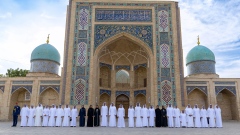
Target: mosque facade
column 123, row 52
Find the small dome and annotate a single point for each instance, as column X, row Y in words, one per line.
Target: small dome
column 200, row 53
column 45, row 52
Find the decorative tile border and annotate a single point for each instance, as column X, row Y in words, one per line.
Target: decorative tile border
column 201, row 88
column 104, row 64
column 123, row 15
column 44, row 87
column 196, row 82
column 103, row 32
column 49, row 82
column 232, row 89
column 226, row 83
column 105, row 91
column 27, row 87
column 140, row 65
column 117, row 67
column 22, row 82
column 127, row 93
column 136, row 92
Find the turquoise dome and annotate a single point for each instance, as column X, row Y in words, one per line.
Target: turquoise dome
column 45, row 52
column 200, row 53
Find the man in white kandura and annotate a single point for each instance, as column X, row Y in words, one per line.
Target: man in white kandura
column 189, row 112
column 52, row 113
column 138, row 115
column 74, row 115
column 211, row 116
column 45, row 116
column 152, row 116
column 104, row 114
column 31, row 116
column 183, row 119
column 203, row 114
column 145, row 116
column 121, row 115
column 66, row 117
column 218, row 116
column 130, row 116
column 196, row 116
column 170, row 116
column 112, row 115
column 24, row 115
column 59, row 115
column 38, row 115
column 176, row 117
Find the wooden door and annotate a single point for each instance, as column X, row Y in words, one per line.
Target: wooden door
column 124, row 100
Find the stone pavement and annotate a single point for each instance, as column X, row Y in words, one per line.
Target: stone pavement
column 230, row 128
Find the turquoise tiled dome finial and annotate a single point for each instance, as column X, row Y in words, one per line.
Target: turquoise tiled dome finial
column 45, row 52
column 200, row 53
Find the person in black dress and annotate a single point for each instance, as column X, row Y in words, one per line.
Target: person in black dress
column 90, row 115
column 97, row 114
column 82, row 114
column 163, row 117
column 158, row 117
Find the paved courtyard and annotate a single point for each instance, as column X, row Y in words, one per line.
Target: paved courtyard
column 230, row 127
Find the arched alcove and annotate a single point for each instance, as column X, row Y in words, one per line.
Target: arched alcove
column 226, row 100
column 197, row 97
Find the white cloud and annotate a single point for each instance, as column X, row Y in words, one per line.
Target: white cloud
column 6, row 15
column 217, row 23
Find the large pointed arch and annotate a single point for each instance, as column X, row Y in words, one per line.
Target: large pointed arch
column 97, row 52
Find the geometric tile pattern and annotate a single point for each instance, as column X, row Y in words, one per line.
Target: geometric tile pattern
column 104, row 32
column 26, row 87
column 44, row 87
column 196, row 82
column 80, row 70
column 127, row 93
column 44, row 66
column 105, row 91
column 81, row 55
column 201, row 67
column 79, row 90
column 104, row 64
column 118, row 15
column 140, row 65
column 2, row 88
column 163, row 21
column 83, row 19
column 232, row 89
column 122, row 67
column 22, row 82
column 166, row 91
column 82, row 34
column 165, row 57
column 226, row 83
column 136, row 92
column 82, row 51
column 201, row 88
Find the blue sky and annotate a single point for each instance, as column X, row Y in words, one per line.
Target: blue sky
column 24, row 24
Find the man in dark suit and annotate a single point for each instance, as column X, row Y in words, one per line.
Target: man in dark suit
column 16, row 112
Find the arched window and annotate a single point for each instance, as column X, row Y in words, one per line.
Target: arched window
column 122, row 78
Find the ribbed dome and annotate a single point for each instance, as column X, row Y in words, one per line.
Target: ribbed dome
column 45, row 52
column 200, row 53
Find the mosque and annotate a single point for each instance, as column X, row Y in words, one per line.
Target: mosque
column 123, row 52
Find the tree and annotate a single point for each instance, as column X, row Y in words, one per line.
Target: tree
column 16, row 72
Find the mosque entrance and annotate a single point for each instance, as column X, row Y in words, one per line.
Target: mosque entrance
column 122, row 63
column 124, row 100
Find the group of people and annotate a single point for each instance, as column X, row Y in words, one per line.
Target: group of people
column 194, row 117
column 56, row 116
